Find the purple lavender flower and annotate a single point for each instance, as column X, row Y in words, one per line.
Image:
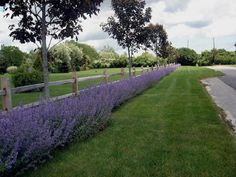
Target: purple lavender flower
column 27, row 136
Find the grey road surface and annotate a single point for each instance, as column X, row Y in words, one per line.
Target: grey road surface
column 223, row 91
column 229, row 74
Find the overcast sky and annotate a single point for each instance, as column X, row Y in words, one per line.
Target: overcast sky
column 195, row 20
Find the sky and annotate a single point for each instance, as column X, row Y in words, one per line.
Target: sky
column 196, row 21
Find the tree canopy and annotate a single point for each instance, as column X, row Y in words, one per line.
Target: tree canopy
column 42, row 19
column 88, row 50
column 62, row 18
column 187, row 56
column 157, row 40
column 107, row 55
column 10, row 56
column 128, row 23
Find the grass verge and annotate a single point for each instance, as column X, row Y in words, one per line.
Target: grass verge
column 171, row 130
column 29, row 97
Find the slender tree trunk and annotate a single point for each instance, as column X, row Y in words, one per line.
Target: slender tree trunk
column 44, row 51
column 156, row 52
column 157, row 57
column 130, row 62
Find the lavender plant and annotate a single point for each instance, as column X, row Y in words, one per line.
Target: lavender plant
column 28, row 136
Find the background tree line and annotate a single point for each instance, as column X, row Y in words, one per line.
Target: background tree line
column 188, row 56
column 64, row 56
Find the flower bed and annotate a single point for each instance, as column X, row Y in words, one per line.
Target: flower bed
column 28, row 136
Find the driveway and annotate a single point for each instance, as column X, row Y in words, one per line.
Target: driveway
column 223, row 92
column 230, row 74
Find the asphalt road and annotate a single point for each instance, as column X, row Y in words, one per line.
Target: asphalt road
column 230, row 75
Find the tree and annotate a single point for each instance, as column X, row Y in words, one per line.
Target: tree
column 127, row 25
column 187, row 57
column 67, row 56
column 10, row 56
column 172, row 54
column 157, row 40
column 87, row 50
column 145, row 59
column 107, row 55
column 206, row 58
column 40, row 19
column 120, row 62
column 3, row 2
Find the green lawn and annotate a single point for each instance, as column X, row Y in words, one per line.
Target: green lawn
column 171, row 130
column 25, row 98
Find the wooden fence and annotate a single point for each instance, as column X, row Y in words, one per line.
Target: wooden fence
column 6, row 90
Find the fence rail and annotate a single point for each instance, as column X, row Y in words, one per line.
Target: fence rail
column 2, row 93
column 6, row 91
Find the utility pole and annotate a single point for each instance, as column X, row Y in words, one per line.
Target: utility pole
column 214, row 51
column 187, row 43
column 214, row 43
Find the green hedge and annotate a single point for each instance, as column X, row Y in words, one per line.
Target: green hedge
column 22, row 78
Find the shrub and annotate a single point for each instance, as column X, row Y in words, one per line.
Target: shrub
column 68, row 56
column 118, row 63
column 217, row 56
column 96, row 64
column 63, row 67
column 60, row 57
column 12, row 69
column 87, row 50
column 187, row 57
column 121, row 61
column 224, row 57
column 22, row 77
column 28, row 136
column 146, row 59
column 107, row 56
column 10, row 56
column 37, row 61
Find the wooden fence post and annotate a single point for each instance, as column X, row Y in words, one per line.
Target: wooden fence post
column 141, row 70
column 6, row 98
column 122, row 71
column 75, row 87
column 105, row 76
column 134, row 71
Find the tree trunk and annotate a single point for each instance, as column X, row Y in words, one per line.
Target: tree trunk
column 44, row 52
column 156, row 52
column 130, row 62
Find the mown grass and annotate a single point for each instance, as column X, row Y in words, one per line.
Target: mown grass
column 171, row 130
column 29, row 97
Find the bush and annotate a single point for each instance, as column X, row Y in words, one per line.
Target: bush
column 10, row 56
column 146, row 59
column 87, row 50
column 107, row 56
column 121, row 61
column 60, row 57
column 28, row 136
column 96, row 65
column 217, row 56
column 66, row 57
column 37, row 61
column 22, row 77
column 187, row 57
column 63, row 67
column 224, row 57
column 12, row 69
